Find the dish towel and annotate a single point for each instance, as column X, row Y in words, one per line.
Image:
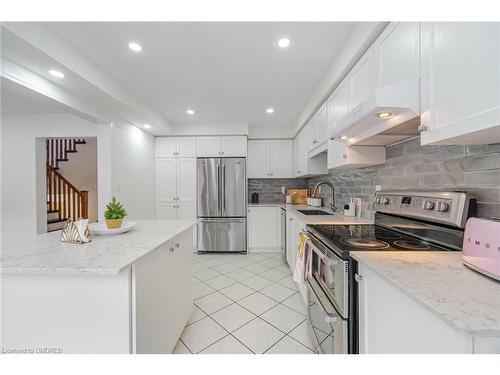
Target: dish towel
column 303, row 263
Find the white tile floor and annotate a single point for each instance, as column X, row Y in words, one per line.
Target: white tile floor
column 244, row 304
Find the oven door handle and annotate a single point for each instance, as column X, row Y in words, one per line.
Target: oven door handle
column 329, row 317
column 328, row 261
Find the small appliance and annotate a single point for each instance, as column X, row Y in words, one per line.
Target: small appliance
column 314, row 202
column 481, row 247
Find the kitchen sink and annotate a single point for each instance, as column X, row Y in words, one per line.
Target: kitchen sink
column 314, row 212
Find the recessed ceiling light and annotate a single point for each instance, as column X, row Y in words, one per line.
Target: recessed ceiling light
column 146, row 126
column 284, row 42
column 190, row 112
column 136, row 47
column 384, row 115
column 56, row 73
column 270, row 110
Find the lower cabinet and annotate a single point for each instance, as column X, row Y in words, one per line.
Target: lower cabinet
column 263, row 229
column 162, row 295
column 391, row 322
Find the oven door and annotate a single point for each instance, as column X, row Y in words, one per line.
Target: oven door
column 332, row 274
column 327, row 329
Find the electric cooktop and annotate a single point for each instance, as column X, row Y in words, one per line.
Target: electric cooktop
column 370, row 238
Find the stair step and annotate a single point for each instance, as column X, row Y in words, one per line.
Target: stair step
column 52, row 221
column 80, row 142
column 52, row 215
column 65, row 159
column 71, row 151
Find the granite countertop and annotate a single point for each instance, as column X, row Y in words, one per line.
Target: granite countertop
column 44, row 253
column 337, row 217
column 439, row 282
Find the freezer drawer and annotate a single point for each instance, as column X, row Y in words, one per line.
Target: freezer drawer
column 222, row 235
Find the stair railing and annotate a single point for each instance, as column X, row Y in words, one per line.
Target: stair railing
column 58, row 149
column 64, row 197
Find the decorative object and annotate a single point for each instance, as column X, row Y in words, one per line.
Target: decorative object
column 299, row 196
column 76, row 232
column 314, row 202
column 103, row 230
column 114, row 214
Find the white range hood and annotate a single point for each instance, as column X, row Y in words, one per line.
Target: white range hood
column 400, row 103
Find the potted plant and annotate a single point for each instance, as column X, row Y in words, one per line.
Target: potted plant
column 114, row 214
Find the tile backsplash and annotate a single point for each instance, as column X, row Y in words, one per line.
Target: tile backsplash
column 472, row 168
column 269, row 189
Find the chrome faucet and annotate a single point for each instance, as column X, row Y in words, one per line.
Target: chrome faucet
column 332, row 204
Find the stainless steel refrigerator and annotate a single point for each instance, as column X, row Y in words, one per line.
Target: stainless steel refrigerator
column 222, row 204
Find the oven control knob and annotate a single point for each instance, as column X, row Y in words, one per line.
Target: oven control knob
column 428, row 205
column 384, row 200
column 442, row 207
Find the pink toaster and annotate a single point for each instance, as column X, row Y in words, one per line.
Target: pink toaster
column 481, row 248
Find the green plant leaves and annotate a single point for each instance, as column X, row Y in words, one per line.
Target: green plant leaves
column 114, row 210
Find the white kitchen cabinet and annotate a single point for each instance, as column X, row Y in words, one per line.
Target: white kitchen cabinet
column 270, row 158
column 361, row 80
column 166, row 179
column 259, row 155
column 412, row 329
column 175, row 179
column 317, row 130
column 175, row 211
column 341, row 155
column 222, row 146
column 290, row 243
column 338, row 104
column 263, row 229
column 163, row 295
column 397, row 54
column 460, row 92
column 234, row 145
column 304, row 165
column 175, row 147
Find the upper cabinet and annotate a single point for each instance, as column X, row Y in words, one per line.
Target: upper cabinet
column 396, row 54
column 361, row 80
column 338, row 105
column 270, row 158
column 184, row 147
column 304, row 164
column 342, row 156
column 460, row 83
column 222, row 146
column 317, row 131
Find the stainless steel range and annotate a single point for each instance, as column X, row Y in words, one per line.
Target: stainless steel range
column 404, row 221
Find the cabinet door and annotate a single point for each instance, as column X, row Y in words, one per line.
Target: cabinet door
column 397, row 54
column 460, row 82
column 166, row 211
column 337, row 154
column 258, row 159
column 186, row 211
column 186, row 180
column 166, row 179
column 186, row 147
column 208, row 146
column 313, row 132
column 263, row 227
column 281, row 158
column 360, row 79
column 322, row 125
column 235, row 145
column 165, row 147
column 304, row 151
column 296, row 156
column 338, row 104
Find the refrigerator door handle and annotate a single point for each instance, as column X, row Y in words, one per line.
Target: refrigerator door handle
column 218, row 188
column 223, row 195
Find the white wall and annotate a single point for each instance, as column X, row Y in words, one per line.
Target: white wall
column 125, row 168
column 19, row 165
column 133, row 170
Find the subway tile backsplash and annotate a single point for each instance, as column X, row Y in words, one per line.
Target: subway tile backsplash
column 472, row 168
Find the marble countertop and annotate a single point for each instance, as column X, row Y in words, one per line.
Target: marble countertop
column 44, row 253
column 336, row 218
column 440, row 282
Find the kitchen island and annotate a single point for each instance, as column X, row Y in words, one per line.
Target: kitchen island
column 128, row 293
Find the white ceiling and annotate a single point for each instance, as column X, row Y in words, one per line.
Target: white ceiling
column 17, row 100
column 226, row 72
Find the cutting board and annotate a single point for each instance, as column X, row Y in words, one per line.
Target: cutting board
column 299, row 196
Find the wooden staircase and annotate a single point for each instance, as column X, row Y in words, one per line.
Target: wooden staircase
column 64, row 200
